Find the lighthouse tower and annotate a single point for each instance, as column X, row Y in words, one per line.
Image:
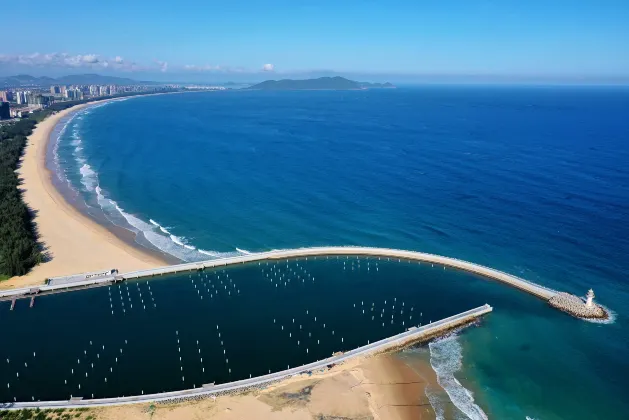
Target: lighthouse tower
column 589, row 296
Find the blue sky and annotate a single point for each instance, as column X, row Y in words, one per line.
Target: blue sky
column 202, row 40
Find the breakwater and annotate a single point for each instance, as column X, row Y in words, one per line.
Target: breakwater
column 408, row 337
column 529, row 287
column 534, row 289
column 315, row 252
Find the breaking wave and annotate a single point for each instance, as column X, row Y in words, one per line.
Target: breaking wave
column 445, row 358
column 156, row 234
column 88, row 177
column 610, row 320
column 176, row 240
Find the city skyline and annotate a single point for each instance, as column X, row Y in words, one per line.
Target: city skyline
column 250, row 41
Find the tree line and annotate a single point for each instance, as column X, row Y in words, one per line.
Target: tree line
column 20, row 249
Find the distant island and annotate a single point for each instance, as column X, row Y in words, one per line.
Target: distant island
column 322, row 83
column 26, row 80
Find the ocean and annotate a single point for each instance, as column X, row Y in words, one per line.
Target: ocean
column 529, row 180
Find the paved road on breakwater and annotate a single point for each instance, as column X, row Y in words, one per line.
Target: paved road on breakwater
column 401, row 339
column 527, row 286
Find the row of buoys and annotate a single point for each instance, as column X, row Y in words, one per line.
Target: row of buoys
column 286, row 276
column 122, row 298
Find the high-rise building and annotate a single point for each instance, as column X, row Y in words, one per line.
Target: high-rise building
column 55, row 90
column 39, row 100
column 20, row 97
column 4, row 96
column 5, row 111
column 74, row 94
column 94, row 90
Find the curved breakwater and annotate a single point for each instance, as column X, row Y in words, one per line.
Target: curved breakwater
column 399, row 340
column 517, row 282
column 547, row 202
column 203, row 327
column 532, row 288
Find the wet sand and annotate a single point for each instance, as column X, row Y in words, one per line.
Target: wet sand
column 379, row 387
column 74, row 242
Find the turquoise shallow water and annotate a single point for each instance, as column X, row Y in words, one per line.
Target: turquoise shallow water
column 532, row 181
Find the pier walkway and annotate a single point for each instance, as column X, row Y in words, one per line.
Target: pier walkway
column 402, row 339
column 527, row 286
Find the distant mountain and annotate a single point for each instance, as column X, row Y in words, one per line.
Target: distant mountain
column 322, row 83
column 95, row 79
column 25, row 80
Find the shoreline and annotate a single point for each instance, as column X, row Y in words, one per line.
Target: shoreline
column 384, row 387
column 74, row 241
column 391, row 345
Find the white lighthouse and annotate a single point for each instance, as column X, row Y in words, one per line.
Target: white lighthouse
column 590, row 297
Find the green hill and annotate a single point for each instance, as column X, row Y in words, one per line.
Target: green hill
column 322, row 83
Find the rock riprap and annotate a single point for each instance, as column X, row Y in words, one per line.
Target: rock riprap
column 577, row 307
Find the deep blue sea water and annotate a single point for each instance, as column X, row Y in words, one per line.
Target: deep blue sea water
column 530, row 180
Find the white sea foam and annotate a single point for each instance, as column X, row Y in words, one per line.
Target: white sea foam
column 610, row 320
column 435, row 403
column 176, row 240
column 210, row 253
column 134, row 221
column 445, row 358
column 243, row 251
column 156, row 234
column 89, row 177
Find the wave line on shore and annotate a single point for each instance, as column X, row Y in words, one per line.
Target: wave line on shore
column 446, row 356
column 153, row 232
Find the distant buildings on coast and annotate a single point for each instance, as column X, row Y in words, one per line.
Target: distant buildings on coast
column 19, row 102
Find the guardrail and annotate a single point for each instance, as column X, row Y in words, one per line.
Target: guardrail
column 522, row 284
column 378, row 346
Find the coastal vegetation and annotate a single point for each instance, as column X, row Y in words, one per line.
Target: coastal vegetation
column 20, row 249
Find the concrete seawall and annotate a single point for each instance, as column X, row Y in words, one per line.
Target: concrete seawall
column 534, row 289
column 511, row 280
column 396, row 341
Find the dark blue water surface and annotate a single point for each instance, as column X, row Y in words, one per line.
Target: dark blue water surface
column 530, row 180
column 218, row 325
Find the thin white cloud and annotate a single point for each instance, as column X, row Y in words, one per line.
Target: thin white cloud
column 213, row 68
column 206, row 67
column 86, row 61
column 163, row 65
column 268, row 67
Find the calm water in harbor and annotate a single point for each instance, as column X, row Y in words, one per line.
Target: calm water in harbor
column 224, row 324
column 529, row 180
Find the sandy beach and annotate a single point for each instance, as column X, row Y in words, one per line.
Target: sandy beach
column 75, row 242
column 377, row 387
column 380, row 387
